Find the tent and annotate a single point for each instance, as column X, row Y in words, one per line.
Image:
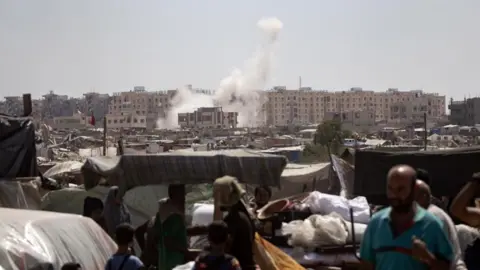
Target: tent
column 38, row 239
column 17, row 147
column 128, row 171
column 298, row 178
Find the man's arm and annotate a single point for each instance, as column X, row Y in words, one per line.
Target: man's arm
column 460, row 205
column 442, row 257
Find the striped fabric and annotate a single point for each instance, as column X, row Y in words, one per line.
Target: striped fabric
column 128, row 171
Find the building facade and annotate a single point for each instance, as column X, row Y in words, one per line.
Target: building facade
column 466, row 112
column 76, row 121
column 138, row 106
column 210, row 117
column 97, row 105
column 354, row 120
column 306, row 106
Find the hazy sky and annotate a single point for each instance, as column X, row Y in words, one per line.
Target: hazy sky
column 77, row 46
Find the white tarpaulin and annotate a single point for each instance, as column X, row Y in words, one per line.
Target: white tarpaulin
column 20, row 194
column 38, row 239
column 140, row 201
column 63, row 168
column 297, row 178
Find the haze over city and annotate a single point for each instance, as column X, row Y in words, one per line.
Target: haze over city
column 109, row 46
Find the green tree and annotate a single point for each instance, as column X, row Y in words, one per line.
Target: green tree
column 330, row 134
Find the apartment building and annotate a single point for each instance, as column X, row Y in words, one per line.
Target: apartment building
column 465, row 112
column 138, row 108
column 13, row 105
column 60, row 105
column 360, row 120
column 97, row 105
column 210, row 117
column 75, row 121
column 306, row 106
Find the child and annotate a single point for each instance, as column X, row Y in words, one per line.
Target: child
column 215, row 258
column 123, row 260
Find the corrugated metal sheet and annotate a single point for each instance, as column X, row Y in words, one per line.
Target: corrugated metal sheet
column 128, row 171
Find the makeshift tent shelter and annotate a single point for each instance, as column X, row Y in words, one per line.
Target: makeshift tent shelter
column 33, row 239
column 128, row 171
column 17, row 147
column 298, row 178
column 449, row 170
column 24, row 193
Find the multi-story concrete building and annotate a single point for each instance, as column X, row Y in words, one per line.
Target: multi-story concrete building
column 354, row 120
column 306, row 106
column 60, row 105
column 13, row 105
column 76, row 121
column 97, row 105
column 466, row 112
column 138, row 104
column 212, row 117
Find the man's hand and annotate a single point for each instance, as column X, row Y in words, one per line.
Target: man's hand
column 420, row 251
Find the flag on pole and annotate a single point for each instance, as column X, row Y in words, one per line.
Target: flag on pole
column 92, row 120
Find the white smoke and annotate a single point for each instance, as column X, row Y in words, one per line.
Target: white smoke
column 185, row 100
column 240, row 92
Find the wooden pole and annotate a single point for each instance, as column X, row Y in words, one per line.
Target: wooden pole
column 105, row 136
column 425, row 130
column 27, row 104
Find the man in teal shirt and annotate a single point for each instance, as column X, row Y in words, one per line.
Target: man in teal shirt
column 404, row 235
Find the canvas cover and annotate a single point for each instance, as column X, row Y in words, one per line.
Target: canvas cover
column 33, row 239
column 128, row 171
column 297, row 178
column 25, row 194
column 449, row 170
column 17, row 147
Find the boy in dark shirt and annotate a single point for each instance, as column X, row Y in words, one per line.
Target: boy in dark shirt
column 215, row 258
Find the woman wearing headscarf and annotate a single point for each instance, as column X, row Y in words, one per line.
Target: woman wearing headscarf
column 228, row 198
column 115, row 211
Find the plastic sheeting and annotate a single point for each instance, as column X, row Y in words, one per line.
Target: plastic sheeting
column 17, row 147
column 63, row 168
column 140, row 201
column 316, row 231
column 297, row 178
column 322, row 203
column 22, row 195
column 30, row 239
column 128, row 171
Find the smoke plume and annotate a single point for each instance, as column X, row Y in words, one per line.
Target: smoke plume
column 240, row 92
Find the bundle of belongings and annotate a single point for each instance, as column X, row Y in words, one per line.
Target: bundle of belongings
column 330, row 222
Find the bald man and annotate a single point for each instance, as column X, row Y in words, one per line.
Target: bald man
column 423, row 197
column 404, row 235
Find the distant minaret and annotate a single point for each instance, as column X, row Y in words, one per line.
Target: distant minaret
column 299, row 82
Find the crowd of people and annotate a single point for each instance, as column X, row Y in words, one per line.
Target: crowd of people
column 414, row 232
column 163, row 240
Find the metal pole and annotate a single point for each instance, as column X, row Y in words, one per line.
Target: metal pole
column 105, row 136
column 27, row 104
column 425, row 130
